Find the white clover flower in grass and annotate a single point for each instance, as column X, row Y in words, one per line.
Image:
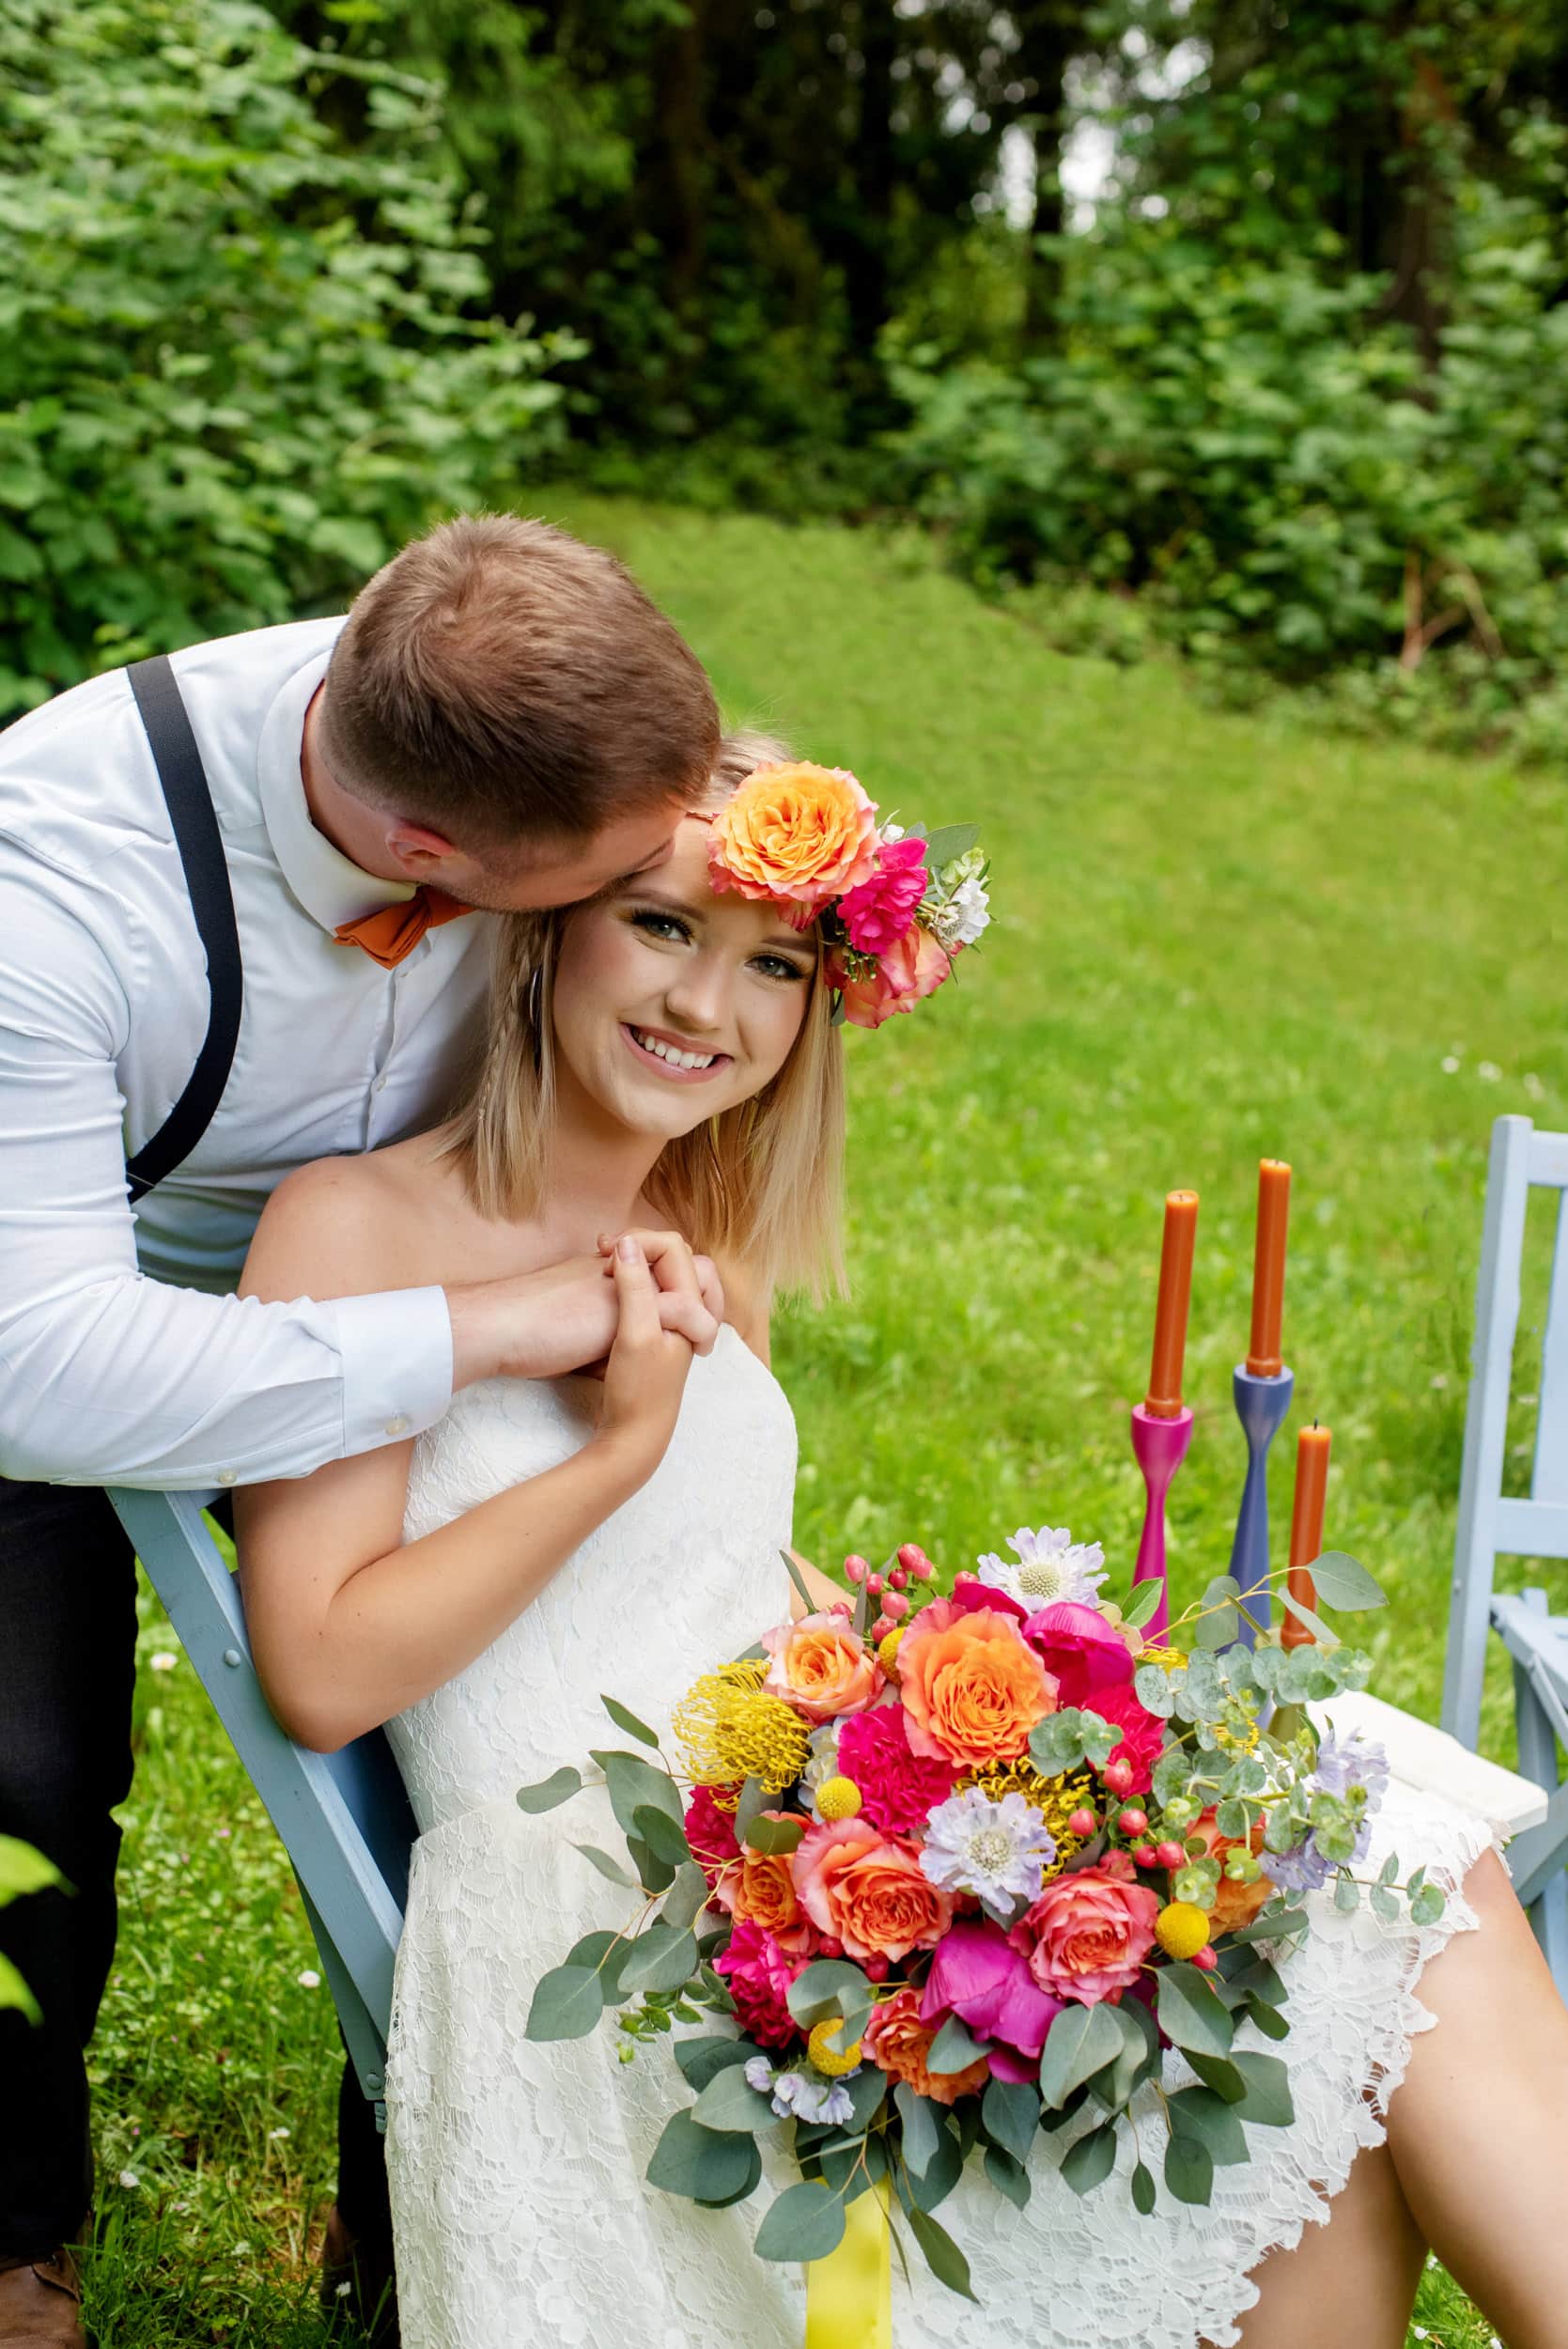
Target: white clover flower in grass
column 998, row 1850
column 1050, row 1566
column 129, row 2179
column 163, row 1661
column 309, row 1981
column 966, row 915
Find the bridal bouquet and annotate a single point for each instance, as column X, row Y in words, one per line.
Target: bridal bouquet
column 960, row 1871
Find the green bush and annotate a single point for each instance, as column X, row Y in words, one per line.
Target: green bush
column 1259, row 455
column 235, row 369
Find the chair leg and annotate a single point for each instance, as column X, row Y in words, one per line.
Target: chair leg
column 1538, row 1760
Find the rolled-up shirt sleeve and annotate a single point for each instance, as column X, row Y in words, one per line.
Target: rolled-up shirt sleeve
column 107, row 1377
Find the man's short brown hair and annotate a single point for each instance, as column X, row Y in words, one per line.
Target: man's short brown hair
column 499, row 679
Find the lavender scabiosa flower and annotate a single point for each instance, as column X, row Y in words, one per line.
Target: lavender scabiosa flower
column 998, row 1850
column 802, row 2095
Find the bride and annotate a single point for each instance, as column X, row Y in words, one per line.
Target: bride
column 660, row 1076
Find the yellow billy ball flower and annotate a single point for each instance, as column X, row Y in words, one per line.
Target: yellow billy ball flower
column 838, row 1798
column 1181, row 1929
column 830, row 2061
column 887, row 1653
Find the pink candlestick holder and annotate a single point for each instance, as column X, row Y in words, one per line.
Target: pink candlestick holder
column 1159, row 1446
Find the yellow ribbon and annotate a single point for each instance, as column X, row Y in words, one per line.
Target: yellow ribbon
column 849, row 2293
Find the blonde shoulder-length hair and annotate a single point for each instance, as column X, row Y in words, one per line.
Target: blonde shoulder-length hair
column 759, row 1186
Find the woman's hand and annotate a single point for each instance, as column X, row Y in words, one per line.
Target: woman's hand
column 645, row 1377
column 691, row 1296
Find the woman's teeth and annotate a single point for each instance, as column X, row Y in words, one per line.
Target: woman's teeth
column 676, row 1059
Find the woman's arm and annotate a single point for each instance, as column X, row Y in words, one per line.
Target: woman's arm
column 349, row 1626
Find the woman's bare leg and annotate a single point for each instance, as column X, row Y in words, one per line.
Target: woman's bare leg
column 1479, row 2129
column 1351, row 2280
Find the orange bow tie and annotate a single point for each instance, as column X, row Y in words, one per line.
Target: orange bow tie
column 395, row 931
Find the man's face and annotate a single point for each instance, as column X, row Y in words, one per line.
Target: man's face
column 519, row 879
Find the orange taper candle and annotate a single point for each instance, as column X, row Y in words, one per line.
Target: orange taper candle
column 1164, row 1398
column 1263, row 1358
column 1306, row 1527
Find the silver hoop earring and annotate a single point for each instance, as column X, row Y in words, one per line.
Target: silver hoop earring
column 536, row 996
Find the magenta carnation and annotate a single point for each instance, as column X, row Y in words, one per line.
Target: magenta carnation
column 876, row 915
column 710, row 1834
column 759, row 1974
column 1143, row 1731
column 899, row 1790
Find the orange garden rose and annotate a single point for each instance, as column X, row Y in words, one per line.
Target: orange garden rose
column 868, row 1890
column 972, row 1689
column 798, row 832
column 1234, row 1905
column 821, row 1668
column 898, row 2042
column 758, row 1888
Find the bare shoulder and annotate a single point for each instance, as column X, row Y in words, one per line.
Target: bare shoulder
column 748, row 1305
column 339, row 1227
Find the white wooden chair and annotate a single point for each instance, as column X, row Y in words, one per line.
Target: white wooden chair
column 1493, row 1525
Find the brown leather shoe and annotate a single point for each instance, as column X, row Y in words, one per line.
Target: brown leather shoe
column 40, row 2304
column 357, row 2278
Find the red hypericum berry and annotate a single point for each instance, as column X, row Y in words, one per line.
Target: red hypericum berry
column 895, row 1605
column 841, row 1606
column 873, row 1584
column 1145, row 1856
column 1132, row 1821
column 1204, row 1959
column 913, row 1560
column 1082, row 1822
column 1118, row 1776
column 898, row 1578
column 857, row 1568
column 1170, row 1855
column 883, row 1624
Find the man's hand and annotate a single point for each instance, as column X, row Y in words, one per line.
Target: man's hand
column 541, row 1325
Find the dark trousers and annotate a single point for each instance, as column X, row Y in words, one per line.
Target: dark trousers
column 68, row 1640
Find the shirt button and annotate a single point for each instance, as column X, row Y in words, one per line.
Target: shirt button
column 380, row 1085
column 397, row 1426
column 228, row 1476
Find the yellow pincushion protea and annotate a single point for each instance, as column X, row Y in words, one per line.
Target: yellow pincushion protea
column 1170, row 1659
column 838, row 1798
column 729, row 1730
column 1056, row 1797
column 1181, row 1929
column 830, row 2061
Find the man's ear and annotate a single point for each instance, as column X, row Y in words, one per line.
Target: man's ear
column 417, row 849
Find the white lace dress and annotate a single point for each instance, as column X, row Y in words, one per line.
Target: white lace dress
column 523, row 2218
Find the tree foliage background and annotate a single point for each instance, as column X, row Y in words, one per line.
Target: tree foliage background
column 1289, row 394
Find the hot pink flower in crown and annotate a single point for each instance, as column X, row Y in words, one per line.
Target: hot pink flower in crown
column 895, row 909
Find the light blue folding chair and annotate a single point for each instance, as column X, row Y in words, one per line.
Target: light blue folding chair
column 1494, row 1525
column 344, row 1818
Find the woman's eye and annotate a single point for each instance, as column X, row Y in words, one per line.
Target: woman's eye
column 780, row 967
column 660, row 925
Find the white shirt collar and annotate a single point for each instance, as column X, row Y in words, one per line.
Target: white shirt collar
column 329, row 885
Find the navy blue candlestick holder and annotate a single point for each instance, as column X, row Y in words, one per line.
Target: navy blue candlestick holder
column 1261, row 1405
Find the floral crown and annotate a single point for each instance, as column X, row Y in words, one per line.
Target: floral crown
column 896, row 907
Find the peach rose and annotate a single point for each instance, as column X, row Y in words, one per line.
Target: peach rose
column 906, row 974
column 1234, row 1905
column 759, row 1889
column 821, row 1668
column 971, row 1689
column 802, row 833
column 868, row 1890
column 898, row 2042
column 1087, row 1934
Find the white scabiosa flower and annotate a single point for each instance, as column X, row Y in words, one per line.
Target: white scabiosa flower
column 1050, row 1566
column 965, row 915
column 998, row 1850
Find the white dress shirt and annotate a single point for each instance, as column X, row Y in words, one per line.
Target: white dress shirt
column 124, row 1357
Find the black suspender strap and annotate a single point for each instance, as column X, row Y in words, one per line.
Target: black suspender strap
column 201, row 854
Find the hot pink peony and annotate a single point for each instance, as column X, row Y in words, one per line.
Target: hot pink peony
column 899, row 1789
column 1088, row 1934
column 909, row 970
column 979, row 1976
column 759, row 1974
column 1143, row 1731
column 710, row 1832
column 876, row 915
column 1079, row 1648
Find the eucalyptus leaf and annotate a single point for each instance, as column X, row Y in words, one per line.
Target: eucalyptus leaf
column 705, row 2164
column 629, row 1721
column 702, row 2059
column 1315, row 1623
column 729, row 2102
column 567, row 2003
column 1189, row 2170
column 1218, row 2073
column 1344, row 1583
column 1011, row 2113
column 794, row 1573
column 608, row 1867
column 953, row 2049
column 1190, row 2012
column 921, row 2133
column 1272, row 1925
column 1347, row 1893
column 804, row 2222
column 823, row 1988
column 1080, row 2042
column 653, row 1874
column 1089, row 2160
column 660, row 1832
column 773, row 1837
column 749, row 2177
column 1153, row 1687
column 1007, row 2175
column 753, row 1799
column 1142, row 1603
column 632, row 1780
column 948, row 843
column 544, row 1796
column 943, row 2255
column 1199, row 2113
column 941, row 2173
column 663, row 1958
column 1269, row 2019
column 686, row 1897
column 1383, row 1904
column 1269, row 2100
column 606, row 1953
column 1142, row 2189
column 1428, row 1905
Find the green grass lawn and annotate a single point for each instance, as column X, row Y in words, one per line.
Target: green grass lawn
column 1218, row 937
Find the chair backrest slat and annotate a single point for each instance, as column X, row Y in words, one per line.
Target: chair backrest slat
column 1551, row 1479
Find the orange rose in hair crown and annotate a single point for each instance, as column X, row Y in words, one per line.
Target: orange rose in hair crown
column 803, row 834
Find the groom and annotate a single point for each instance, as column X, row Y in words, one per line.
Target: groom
column 235, row 934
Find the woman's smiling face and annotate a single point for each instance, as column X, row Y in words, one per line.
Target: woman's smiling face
column 672, row 1003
